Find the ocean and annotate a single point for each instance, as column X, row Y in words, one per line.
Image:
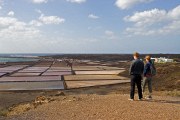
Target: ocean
column 9, row 59
column 18, row 57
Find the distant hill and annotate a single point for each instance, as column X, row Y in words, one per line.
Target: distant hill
column 112, row 57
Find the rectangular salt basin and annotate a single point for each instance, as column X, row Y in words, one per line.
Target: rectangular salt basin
column 110, row 68
column 6, row 71
column 1, row 74
column 65, row 70
column 31, row 85
column 31, row 71
column 36, row 68
column 56, row 73
column 104, row 72
column 10, row 69
column 93, row 63
column 93, row 77
column 25, row 74
column 30, row 79
column 42, row 65
column 18, row 66
column 78, row 84
column 15, row 67
column 59, row 64
column 60, row 68
column 86, row 68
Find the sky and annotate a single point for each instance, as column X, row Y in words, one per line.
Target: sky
column 90, row 26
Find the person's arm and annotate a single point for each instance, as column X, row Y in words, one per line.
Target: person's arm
column 146, row 69
column 142, row 71
column 131, row 68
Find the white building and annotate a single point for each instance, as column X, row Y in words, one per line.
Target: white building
column 162, row 60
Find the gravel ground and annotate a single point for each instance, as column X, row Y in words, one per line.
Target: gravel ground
column 104, row 107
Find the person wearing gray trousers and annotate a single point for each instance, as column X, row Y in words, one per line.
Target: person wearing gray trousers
column 147, row 80
column 147, row 77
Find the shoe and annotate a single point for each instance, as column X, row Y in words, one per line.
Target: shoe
column 131, row 99
column 140, row 99
column 148, row 98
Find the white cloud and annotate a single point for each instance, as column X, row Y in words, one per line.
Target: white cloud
column 46, row 20
column 76, row 1
column 154, row 16
column 154, row 21
column 11, row 13
column 125, row 4
column 147, row 17
column 6, row 21
column 39, row 1
column 174, row 13
column 110, row 34
column 12, row 28
column 35, row 23
column 170, row 28
column 51, row 19
column 17, row 36
column 93, row 16
column 0, row 7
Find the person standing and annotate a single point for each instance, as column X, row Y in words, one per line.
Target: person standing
column 136, row 72
column 147, row 77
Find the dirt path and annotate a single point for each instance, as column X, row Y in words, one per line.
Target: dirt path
column 104, row 107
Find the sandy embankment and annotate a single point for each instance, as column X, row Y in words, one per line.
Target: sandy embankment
column 104, row 107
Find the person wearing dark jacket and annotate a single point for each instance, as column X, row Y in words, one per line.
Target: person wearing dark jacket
column 136, row 72
column 147, row 77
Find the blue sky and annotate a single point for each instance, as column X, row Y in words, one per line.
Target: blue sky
column 89, row 26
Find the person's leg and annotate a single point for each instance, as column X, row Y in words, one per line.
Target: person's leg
column 150, row 87
column 138, row 82
column 144, row 82
column 132, row 87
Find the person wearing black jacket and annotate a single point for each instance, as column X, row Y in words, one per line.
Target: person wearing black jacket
column 136, row 72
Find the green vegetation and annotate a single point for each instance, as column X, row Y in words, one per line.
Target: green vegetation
column 168, row 77
column 4, row 112
column 173, row 93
